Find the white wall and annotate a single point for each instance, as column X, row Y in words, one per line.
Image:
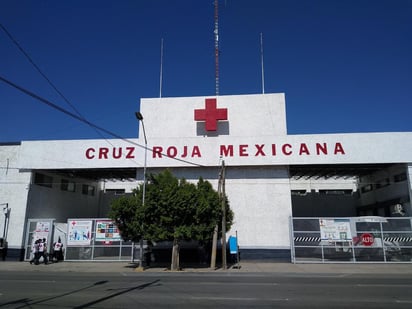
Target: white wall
column 13, row 190
column 248, row 115
column 257, row 179
column 260, row 199
column 255, row 130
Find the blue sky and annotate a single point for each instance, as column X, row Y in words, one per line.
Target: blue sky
column 345, row 66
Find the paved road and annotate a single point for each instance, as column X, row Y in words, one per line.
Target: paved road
column 43, row 287
column 246, row 267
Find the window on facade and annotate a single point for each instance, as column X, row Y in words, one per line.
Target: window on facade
column 43, row 180
column 335, row 192
column 367, row 188
column 116, row 191
column 383, row 183
column 67, row 185
column 88, row 190
column 400, row 177
column 298, row 192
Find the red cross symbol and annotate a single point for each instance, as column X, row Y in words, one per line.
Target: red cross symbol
column 210, row 115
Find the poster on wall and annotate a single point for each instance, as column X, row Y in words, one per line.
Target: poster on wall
column 335, row 229
column 42, row 226
column 79, row 232
column 41, row 231
column 107, row 231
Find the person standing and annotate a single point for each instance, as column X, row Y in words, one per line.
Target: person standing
column 58, row 251
column 35, row 252
column 43, row 250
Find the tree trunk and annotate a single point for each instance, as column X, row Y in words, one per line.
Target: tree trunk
column 214, row 246
column 175, row 255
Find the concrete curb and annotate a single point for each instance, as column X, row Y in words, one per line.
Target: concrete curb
column 245, row 267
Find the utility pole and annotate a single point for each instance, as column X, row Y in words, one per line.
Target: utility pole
column 223, row 201
column 215, row 232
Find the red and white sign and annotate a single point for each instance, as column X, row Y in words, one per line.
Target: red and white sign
column 367, row 239
column 211, row 114
column 243, row 130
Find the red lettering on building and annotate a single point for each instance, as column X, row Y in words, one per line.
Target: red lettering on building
column 171, row 151
column 106, row 153
column 303, row 149
column 299, row 149
column 117, row 155
column 287, row 149
column 103, row 151
column 130, row 153
column 196, row 152
column 184, row 155
column 259, row 150
column 90, row 153
column 243, row 150
column 226, row 151
column 157, row 152
column 321, row 148
column 339, row 149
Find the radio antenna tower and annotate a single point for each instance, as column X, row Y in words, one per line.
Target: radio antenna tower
column 216, row 32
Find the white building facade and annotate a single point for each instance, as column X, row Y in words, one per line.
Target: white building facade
column 270, row 175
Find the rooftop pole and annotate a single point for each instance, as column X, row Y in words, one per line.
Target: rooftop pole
column 261, row 60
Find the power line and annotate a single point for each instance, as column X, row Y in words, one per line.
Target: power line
column 44, row 76
column 81, row 119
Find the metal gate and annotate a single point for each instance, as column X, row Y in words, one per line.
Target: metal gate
column 351, row 240
column 96, row 240
column 87, row 239
column 36, row 229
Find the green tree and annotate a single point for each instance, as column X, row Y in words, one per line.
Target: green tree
column 127, row 212
column 174, row 210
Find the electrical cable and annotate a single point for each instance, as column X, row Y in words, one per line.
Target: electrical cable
column 45, row 77
column 81, row 119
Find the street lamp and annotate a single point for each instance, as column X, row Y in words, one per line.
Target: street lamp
column 6, row 212
column 139, row 117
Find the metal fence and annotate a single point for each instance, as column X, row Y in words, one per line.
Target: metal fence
column 351, row 240
column 96, row 240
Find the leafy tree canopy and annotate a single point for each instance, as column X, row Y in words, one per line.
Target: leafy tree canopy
column 174, row 209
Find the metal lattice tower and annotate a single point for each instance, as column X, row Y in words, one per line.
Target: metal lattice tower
column 216, row 32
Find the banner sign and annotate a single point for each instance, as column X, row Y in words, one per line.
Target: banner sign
column 42, row 231
column 107, row 231
column 79, row 232
column 233, row 245
column 335, row 229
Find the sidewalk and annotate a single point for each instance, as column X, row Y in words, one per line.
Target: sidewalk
column 247, row 266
